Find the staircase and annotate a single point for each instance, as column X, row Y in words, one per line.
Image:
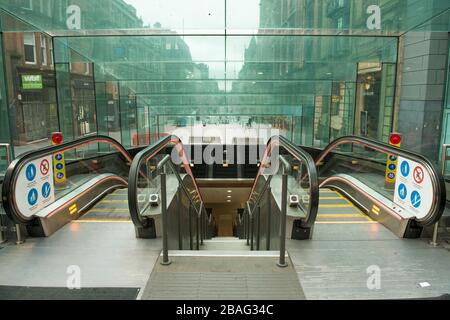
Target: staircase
column 224, row 269
column 225, row 244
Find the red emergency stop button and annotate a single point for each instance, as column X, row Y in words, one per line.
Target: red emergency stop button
column 395, row 139
column 57, row 138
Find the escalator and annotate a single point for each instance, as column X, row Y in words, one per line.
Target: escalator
column 163, row 172
column 96, row 172
column 296, row 187
column 351, row 174
column 355, row 167
column 95, row 167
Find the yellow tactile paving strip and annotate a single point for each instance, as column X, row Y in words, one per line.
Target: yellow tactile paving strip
column 111, row 209
column 336, row 209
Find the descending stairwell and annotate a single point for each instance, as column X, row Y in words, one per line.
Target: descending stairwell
column 224, row 269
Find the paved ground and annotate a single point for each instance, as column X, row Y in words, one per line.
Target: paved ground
column 108, row 255
column 223, row 278
column 336, row 263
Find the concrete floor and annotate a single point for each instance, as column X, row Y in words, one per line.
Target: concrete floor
column 108, row 255
column 335, row 264
column 331, row 266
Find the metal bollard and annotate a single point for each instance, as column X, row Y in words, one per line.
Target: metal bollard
column 434, row 242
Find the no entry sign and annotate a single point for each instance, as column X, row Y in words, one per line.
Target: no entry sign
column 45, row 167
column 418, row 175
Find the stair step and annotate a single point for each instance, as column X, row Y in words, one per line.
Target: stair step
column 224, row 239
column 222, row 253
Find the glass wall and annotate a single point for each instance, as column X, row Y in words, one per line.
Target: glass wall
column 31, row 89
column 137, row 70
column 4, row 121
column 144, row 80
column 373, row 16
column 446, row 120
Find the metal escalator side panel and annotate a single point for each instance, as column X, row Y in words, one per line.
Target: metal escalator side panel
column 15, row 168
column 437, row 180
column 374, row 205
column 142, row 158
column 303, row 157
column 74, row 205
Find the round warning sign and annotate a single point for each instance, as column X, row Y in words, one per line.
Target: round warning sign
column 404, row 168
column 416, row 199
column 30, row 172
column 418, row 175
column 45, row 167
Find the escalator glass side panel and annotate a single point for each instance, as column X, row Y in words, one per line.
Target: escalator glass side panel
column 41, row 179
column 281, row 157
column 167, row 158
column 404, row 183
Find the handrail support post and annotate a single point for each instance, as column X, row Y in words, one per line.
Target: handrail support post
column 282, row 263
column 165, row 261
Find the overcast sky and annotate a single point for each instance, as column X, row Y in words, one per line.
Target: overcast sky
column 207, row 15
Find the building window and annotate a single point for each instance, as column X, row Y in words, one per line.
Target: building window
column 43, row 50
column 87, row 68
column 51, row 55
column 30, row 48
column 340, row 23
column 26, row 4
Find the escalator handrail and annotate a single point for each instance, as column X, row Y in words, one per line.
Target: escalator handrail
column 437, row 179
column 183, row 187
column 15, row 167
column 301, row 155
column 133, row 178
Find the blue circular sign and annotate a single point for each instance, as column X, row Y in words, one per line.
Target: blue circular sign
column 30, row 172
column 402, row 191
column 60, row 175
column 46, row 188
column 405, row 169
column 416, row 199
column 393, row 158
column 32, row 197
column 392, row 166
column 58, row 157
column 59, row 166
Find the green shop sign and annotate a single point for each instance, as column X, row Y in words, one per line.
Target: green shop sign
column 30, row 82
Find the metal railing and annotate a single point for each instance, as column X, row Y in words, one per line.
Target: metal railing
column 437, row 180
column 202, row 217
column 253, row 211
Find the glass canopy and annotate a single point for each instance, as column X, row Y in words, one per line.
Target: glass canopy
column 389, row 17
column 139, row 69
